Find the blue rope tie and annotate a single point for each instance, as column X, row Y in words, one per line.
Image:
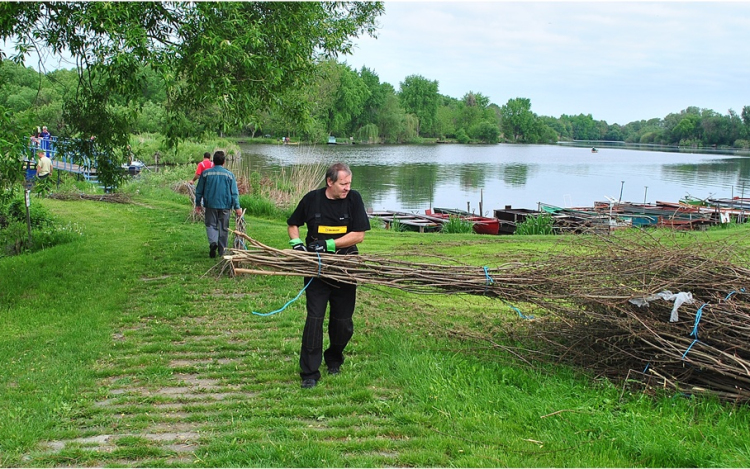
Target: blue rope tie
column 694, row 333
column 688, row 349
column 733, row 292
column 488, row 279
column 648, row 365
column 520, row 314
column 320, row 265
column 698, row 315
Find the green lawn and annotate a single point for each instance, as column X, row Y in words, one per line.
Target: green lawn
column 122, row 349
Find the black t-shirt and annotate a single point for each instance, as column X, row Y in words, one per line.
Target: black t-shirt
column 330, row 218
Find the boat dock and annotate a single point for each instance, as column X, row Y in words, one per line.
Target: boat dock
column 411, row 221
column 601, row 217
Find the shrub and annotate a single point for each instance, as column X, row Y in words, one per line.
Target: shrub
column 461, row 136
column 457, row 225
column 45, row 233
column 539, row 225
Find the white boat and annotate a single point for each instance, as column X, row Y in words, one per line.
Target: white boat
column 133, row 167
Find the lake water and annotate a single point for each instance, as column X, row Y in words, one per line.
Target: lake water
column 415, row 177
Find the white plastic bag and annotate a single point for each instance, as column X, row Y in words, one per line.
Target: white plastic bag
column 678, row 298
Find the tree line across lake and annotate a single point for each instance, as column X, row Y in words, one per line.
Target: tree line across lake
column 354, row 103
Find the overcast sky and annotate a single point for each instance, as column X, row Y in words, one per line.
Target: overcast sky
column 618, row 61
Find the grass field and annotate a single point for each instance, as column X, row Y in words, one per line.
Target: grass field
column 121, row 349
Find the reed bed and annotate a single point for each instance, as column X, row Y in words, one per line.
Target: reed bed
column 589, row 290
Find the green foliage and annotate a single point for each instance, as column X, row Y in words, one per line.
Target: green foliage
column 218, row 63
column 457, row 225
column 419, row 96
column 461, row 136
column 368, row 134
column 45, row 231
column 486, row 132
column 518, row 122
column 541, row 224
column 149, row 148
column 259, row 206
column 255, row 183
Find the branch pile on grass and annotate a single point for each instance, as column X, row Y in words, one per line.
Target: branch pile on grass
column 587, row 288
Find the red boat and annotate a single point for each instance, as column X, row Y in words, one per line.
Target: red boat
column 481, row 225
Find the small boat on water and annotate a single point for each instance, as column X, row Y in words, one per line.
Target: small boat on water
column 739, row 203
column 134, row 167
column 481, row 225
column 510, row 217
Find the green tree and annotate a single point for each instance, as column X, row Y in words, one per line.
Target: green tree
column 475, row 115
column 375, row 99
column 419, row 96
column 519, row 124
column 447, row 117
column 584, row 127
column 350, row 98
column 486, row 131
column 391, row 118
column 238, row 57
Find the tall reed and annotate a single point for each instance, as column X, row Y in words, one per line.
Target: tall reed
column 291, row 183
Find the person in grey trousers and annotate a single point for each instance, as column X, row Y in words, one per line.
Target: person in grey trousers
column 217, row 193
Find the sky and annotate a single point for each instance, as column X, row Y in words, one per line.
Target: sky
column 618, row 61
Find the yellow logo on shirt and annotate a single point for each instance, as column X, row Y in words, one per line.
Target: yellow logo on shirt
column 322, row 229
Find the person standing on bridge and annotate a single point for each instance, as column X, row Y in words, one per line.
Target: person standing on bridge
column 217, row 192
column 336, row 221
column 46, row 140
column 43, row 166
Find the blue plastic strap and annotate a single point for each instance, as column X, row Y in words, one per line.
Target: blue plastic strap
column 489, row 280
column 320, row 265
column 520, row 314
column 698, row 315
column 688, row 349
column 647, row 365
column 733, row 292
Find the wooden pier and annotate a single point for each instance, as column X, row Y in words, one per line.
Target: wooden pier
column 410, row 221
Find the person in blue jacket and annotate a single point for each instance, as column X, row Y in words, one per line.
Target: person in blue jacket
column 217, row 192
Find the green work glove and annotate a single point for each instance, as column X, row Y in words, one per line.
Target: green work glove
column 297, row 244
column 322, row 245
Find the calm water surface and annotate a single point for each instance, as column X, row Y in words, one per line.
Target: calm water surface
column 415, row 177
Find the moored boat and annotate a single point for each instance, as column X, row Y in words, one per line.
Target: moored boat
column 407, row 221
column 481, row 225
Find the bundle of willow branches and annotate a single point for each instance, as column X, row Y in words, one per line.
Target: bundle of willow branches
column 589, row 289
column 240, row 227
column 184, row 187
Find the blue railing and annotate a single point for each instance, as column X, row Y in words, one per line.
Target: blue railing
column 69, row 161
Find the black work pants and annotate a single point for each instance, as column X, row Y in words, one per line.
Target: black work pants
column 342, row 298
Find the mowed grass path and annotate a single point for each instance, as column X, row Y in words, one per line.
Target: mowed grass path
column 134, row 354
